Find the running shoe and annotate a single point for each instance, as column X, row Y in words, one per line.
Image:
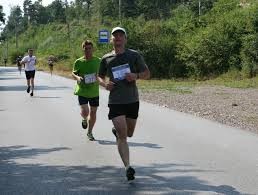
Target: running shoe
column 84, row 123
column 130, row 173
column 90, row 137
column 28, row 89
column 114, row 131
column 31, row 94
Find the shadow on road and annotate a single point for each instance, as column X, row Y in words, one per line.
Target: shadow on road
column 10, row 78
column 44, row 179
column 8, row 70
column 11, row 73
column 131, row 144
column 46, row 97
column 24, row 87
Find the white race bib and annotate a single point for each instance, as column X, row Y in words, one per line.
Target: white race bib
column 90, row 78
column 120, row 71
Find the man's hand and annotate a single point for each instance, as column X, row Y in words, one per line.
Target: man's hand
column 131, row 77
column 109, row 86
column 79, row 79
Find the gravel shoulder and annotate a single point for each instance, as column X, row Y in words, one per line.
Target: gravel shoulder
column 231, row 106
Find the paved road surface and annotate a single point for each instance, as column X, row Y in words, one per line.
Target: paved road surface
column 43, row 149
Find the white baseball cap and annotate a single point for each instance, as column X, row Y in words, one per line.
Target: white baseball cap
column 118, row 29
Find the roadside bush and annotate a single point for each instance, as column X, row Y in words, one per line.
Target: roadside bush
column 157, row 42
column 249, row 55
column 14, row 55
column 215, row 49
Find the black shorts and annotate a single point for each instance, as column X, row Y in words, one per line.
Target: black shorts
column 129, row 110
column 94, row 102
column 30, row 74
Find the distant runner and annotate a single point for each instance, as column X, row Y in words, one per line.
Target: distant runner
column 30, row 69
column 19, row 65
column 50, row 62
column 5, row 61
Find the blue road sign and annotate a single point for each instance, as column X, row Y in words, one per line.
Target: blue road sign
column 103, row 36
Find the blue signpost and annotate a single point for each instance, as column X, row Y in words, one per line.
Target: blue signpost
column 103, row 36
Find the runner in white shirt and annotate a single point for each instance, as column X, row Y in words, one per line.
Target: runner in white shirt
column 30, row 61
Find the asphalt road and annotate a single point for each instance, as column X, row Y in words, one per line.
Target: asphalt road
column 44, row 150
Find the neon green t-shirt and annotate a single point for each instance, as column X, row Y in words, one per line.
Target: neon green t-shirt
column 88, row 69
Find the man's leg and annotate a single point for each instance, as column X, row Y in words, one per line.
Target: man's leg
column 92, row 119
column 123, row 148
column 32, row 85
column 121, row 128
column 85, row 111
column 131, row 123
column 28, row 85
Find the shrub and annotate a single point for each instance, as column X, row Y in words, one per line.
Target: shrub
column 249, row 55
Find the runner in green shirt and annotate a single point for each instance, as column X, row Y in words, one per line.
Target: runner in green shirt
column 85, row 71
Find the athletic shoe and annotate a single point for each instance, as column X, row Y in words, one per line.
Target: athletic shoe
column 28, row 89
column 90, row 137
column 31, row 94
column 130, row 173
column 84, row 124
column 114, row 131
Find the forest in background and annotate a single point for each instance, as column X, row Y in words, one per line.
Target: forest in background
column 178, row 38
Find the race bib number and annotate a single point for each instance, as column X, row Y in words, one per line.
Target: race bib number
column 120, row 71
column 90, row 78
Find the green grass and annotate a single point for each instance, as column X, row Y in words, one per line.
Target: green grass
column 187, row 86
column 235, row 83
column 182, row 87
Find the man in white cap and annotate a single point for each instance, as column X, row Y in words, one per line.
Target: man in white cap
column 123, row 67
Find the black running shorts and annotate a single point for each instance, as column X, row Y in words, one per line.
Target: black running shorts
column 30, row 74
column 129, row 110
column 94, row 102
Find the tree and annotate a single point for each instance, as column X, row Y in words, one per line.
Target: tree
column 14, row 25
column 205, row 6
column 129, row 8
column 153, row 9
column 2, row 20
column 57, row 11
column 88, row 5
column 2, row 14
column 82, row 8
column 26, row 10
column 41, row 13
column 108, row 8
column 14, row 20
